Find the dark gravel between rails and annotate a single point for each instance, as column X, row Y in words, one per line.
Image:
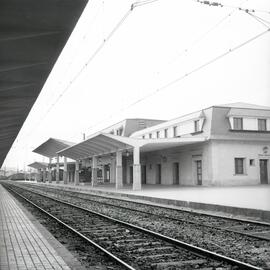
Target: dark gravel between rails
column 234, row 245
column 151, row 253
column 254, row 229
column 87, row 255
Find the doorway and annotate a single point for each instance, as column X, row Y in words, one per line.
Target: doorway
column 263, row 171
column 131, row 174
column 199, row 172
column 158, row 174
column 176, row 173
column 143, row 168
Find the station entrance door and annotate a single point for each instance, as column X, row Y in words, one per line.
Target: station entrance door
column 176, row 173
column 131, row 174
column 263, row 171
column 158, row 174
column 143, row 174
column 199, row 172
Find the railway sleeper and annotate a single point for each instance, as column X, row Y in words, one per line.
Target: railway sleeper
column 165, row 265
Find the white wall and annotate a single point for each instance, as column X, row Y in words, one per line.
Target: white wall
column 223, row 154
column 186, row 157
column 251, row 123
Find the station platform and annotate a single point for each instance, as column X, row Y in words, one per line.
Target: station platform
column 25, row 244
column 247, row 201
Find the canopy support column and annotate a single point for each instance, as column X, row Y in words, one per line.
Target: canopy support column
column 103, row 173
column 65, row 171
column 137, row 183
column 44, row 175
column 112, row 170
column 57, row 169
column 50, row 171
column 39, row 175
column 77, row 176
column 119, row 171
column 94, row 171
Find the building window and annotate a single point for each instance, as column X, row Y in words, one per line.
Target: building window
column 165, row 133
column 158, row 132
column 239, row 165
column 196, row 126
column 175, row 131
column 143, row 136
column 252, row 162
column 150, row 135
column 262, row 124
column 238, row 123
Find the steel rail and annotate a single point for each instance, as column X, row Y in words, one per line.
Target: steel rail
column 168, row 217
column 177, row 219
column 256, row 222
column 127, row 266
column 195, row 249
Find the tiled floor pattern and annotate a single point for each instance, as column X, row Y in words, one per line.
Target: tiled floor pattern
column 22, row 246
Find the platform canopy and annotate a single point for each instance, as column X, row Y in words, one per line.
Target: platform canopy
column 32, row 35
column 98, row 144
column 51, row 147
column 38, row 165
column 103, row 143
column 160, row 144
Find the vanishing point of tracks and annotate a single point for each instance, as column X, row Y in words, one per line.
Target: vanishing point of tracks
column 132, row 246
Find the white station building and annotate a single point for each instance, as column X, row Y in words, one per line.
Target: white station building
column 219, row 145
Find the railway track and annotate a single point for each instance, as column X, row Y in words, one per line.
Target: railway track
column 132, row 246
column 254, row 229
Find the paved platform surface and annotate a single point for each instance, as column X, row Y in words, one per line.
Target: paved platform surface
column 253, row 197
column 22, row 246
column 247, row 201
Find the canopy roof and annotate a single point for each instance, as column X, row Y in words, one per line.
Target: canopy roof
column 159, row 144
column 32, row 35
column 38, row 165
column 51, row 147
column 99, row 144
column 102, row 144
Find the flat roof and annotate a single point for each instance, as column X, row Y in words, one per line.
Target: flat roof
column 103, row 143
column 50, row 147
column 38, row 165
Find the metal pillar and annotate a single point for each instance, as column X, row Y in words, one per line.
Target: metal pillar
column 77, row 176
column 94, row 171
column 65, row 171
column 44, row 175
column 137, row 183
column 112, row 170
column 50, row 170
column 57, row 169
column 103, row 173
column 119, row 171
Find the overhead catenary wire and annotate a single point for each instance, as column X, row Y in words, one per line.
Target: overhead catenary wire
column 203, row 36
column 182, row 77
column 99, row 48
column 91, row 58
column 219, row 4
column 136, row 4
column 260, row 20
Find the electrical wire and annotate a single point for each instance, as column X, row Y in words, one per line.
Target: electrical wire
column 187, row 74
column 83, row 67
column 258, row 19
column 134, row 5
column 218, row 4
column 202, row 37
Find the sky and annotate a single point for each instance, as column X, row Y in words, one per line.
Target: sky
column 155, row 61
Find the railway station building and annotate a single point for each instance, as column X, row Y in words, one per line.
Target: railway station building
column 219, row 145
